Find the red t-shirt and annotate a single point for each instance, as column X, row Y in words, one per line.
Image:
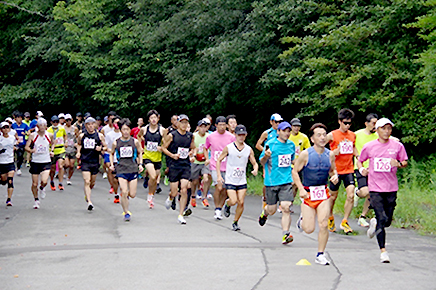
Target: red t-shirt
column 134, row 132
column 346, row 142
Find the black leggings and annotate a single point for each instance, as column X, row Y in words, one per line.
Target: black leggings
column 20, row 157
column 383, row 204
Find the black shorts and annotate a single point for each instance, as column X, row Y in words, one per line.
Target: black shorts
column 5, row 168
column 94, row 168
column 348, row 179
column 71, row 155
column 37, row 168
column 178, row 173
column 55, row 158
column 235, row 187
column 157, row 165
column 362, row 181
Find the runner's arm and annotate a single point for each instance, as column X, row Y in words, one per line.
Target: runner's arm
column 262, row 139
column 333, row 172
column 140, row 136
column 223, row 155
column 193, row 150
column 254, row 163
column 298, row 166
column 103, row 142
column 28, row 143
column 111, row 155
column 79, row 145
column 167, row 141
column 139, row 157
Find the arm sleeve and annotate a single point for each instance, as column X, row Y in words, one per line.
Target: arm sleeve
column 364, row 154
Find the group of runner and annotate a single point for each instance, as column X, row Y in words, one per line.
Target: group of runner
column 217, row 156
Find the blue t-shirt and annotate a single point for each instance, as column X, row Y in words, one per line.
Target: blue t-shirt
column 33, row 123
column 278, row 169
column 21, row 132
column 272, row 134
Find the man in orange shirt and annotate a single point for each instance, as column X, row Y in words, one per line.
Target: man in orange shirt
column 342, row 143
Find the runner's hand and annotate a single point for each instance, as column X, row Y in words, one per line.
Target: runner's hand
column 51, row 154
column 206, row 163
column 221, row 179
column 192, row 159
column 112, row 168
column 254, row 172
column 395, row 163
column 77, row 155
column 337, row 151
column 268, row 153
column 159, row 149
column 303, row 193
column 364, row 172
column 334, row 179
column 140, row 168
column 98, row 148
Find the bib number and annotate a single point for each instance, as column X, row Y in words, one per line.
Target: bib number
column 217, row 155
column 152, row 146
column 382, row 165
column 59, row 141
column 89, row 143
column 346, row 147
column 297, row 151
column 285, row 160
column 183, row 152
column 318, row 193
column 126, row 152
column 70, row 142
column 41, row 149
column 238, row 173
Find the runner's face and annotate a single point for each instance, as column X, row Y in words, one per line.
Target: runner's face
column 174, row 121
column 385, row 132
column 274, row 124
column 183, row 125
column 18, row 120
column 284, row 134
column 345, row 124
column 140, row 122
column 202, row 129
column 6, row 129
column 296, row 129
column 90, row 126
column 42, row 128
column 240, row 138
column 319, row 137
column 232, row 124
column 125, row 131
column 371, row 125
column 153, row 120
column 221, row 127
column 68, row 122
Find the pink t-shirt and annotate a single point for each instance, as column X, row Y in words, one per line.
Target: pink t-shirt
column 216, row 142
column 382, row 177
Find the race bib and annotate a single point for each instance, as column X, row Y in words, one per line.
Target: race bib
column 41, row 149
column 346, row 147
column 70, row 142
column 217, row 155
column 285, row 160
column 89, row 143
column 20, row 139
column 126, row 152
column 238, row 173
column 152, row 146
column 382, row 165
column 183, row 152
column 59, row 140
column 318, row 193
column 200, row 148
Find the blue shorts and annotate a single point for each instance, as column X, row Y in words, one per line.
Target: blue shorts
column 128, row 176
column 106, row 158
column 236, row 187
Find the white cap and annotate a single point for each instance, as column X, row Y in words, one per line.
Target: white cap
column 39, row 114
column 4, row 124
column 61, row 115
column 276, row 117
column 41, row 122
column 383, row 121
column 9, row 119
column 68, row 116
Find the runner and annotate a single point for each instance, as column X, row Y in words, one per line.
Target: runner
column 178, row 146
column 27, row 122
column 216, row 142
column 22, row 130
column 61, row 117
column 170, row 129
column 198, row 168
column 277, row 158
column 79, row 123
column 316, row 163
column 237, row 153
column 342, row 143
column 385, row 157
column 70, row 149
column 41, row 145
column 89, row 145
column 60, row 137
column 135, row 131
column 110, row 137
column 7, row 166
column 151, row 136
column 129, row 156
column 231, row 123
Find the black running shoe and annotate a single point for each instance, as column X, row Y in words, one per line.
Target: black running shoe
column 226, row 210
column 173, row 204
column 262, row 219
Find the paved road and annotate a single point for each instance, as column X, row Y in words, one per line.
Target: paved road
column 63, row 246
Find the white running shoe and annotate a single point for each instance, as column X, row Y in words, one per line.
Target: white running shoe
column 384, row 257
column 168, row 203
column 36, row 205
column 19, row 172
column 69, row 182
column 298, row 224
column 356, row 197
column 90, row 206
column 362, row 222
column 321, row 259
column 209, row 196
column 181, row 220
column 218, row 215
column 371, row 231
column 41, row 193
column 104, row 175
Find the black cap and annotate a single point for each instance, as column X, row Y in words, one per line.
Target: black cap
column 182, row 117
column 240, row 129
column 54, row 118
column 27, row 114
column 295, row 122
column 98, row 118
column 87, row 114
column 112, row 113
column 220, row 119
column 79, row 114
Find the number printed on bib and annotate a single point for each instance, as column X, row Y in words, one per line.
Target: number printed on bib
column 382, row 164
column 183, row 152
column 59, row 140
column 89, row 143
column 70, row 142
column 318, row 193
column 285, row 160
column 20, row 139
column 152, row 146
column 238, row 173
column 346, row 147
column 126, row 152
column 41, row 149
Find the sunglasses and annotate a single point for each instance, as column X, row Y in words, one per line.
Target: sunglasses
column 346, row 123
column 55, row 122
column 5, row 127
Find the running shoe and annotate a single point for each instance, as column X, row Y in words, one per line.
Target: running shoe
column 52, row 186
column 199, row 195
column 356, row 197
column 150, row 201
column 187, row 212
column 69, row 182
column 218, row 215
column 61, row 187
column 8, row 203
column 28, row 164
column 104, row 174
column 112, row 190
column 168, row 203
column 262, row 218
column 209, row 195
column 166, row 180
column 41, row 192
column 371, row 231
column 384, row 257
column 235, row 226
column 193, row 202
column 226, row 210
column 78, row 167
column 127, row 216
column 36, row 205
column 19, row 172
column 322, row 260
column 173, row 204
column 158, row 189
column 116, row 199
column 205, row 203
column 90, row 206
column 181, row 220
column 346, row 227
column 279, row 209
column 362, row 222
column 145, row 184
column 331, row 224
column 298, row 224
column 287, row 238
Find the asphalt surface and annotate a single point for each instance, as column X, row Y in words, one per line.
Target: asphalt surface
column 64, row 246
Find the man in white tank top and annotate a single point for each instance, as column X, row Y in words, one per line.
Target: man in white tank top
column 41, row 145
column 7, row 166
column 238, row 153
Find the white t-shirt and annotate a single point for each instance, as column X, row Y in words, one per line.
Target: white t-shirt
column 237, row 164
column 7, row 157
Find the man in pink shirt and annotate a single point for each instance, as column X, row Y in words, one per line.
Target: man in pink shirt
column 385, row 157
column 216, row 142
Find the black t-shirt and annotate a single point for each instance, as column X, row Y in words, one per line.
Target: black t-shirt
column 180, row 145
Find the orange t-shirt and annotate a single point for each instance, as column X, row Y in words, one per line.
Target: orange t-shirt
column 346, row 142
